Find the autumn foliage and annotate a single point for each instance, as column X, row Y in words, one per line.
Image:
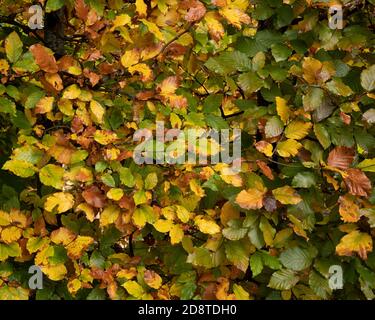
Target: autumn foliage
column 74, row 203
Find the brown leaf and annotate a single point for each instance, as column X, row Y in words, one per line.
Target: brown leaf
column 94, row 197
column 270, row 204
column 341, row 157
column 196, row 12
column 44, row 58
column 265, row 169
column 92, row 76
column 349, row 211
column 82, row 10
column 345, row 118
column 358, row 183
column 219, row 3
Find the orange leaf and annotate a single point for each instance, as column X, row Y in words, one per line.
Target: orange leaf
column 341, row 157
column 44, row 58
column 357, row 182
column 349, row 211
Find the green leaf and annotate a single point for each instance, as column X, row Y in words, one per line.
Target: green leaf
column 295, row 258
column 151, row 181
column 13, row 47
column 313, row 99
column 126, row 177
column 250, row 82
column 256, row 264
column 274, row 127
column 304, row 180
column 319, row 285
column 368, row 78
column 212, row 103
column 216, row 122
column 7, row 106
column 144, row 214
column 237, row 253
column 108, row 180
column 367, row 165
column 280, row 52
column 53, row 5
column 20, row 168
column 26, row 63
column 229, row 62
column 322, row 135
column 283, row 280
column 52, row 175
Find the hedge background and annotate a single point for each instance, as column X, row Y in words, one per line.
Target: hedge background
column 74, row 203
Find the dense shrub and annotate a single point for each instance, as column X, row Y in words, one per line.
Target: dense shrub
column 74, row 202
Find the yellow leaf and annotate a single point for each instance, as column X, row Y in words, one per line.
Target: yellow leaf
column 4, row 218
column 196, row 188
column 288, row 148
column 18, row 218
column 141, row 8
column 252, row 198
column 71, row 92
column 154, row 29
column 56, row 272
column 134, row 289
column 88, row 210
column 109, row 215
column 176, row 233
column 267, row 230
column 315, row 71
column 152, row 279
column 163, row 225
column 62, row 236
column 143, row 69
column 240, row 292
column 349, row 211
column 282, row 109
column 228, row 212
column 105, row 137
column 127, row 273
column 355, row 241
column 97, row 111
column 264, row 147
column 11, row 234
column 182, row 214
column 44, row 105
column 130, row 58
column 297, row 129
column 235, row 16
column 121, row 20
column 73, row 286
column 286, row 195
column 206, row 225
column 62, row 200
column 115, row 194
column 215, row 28
column 78, row 246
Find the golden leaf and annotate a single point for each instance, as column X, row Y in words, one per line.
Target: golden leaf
column 206, row 225
column 286, row 195
column 288, row 148
column 297, row 129
column 355, row 241
column 62, row 200
column 282, row 109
